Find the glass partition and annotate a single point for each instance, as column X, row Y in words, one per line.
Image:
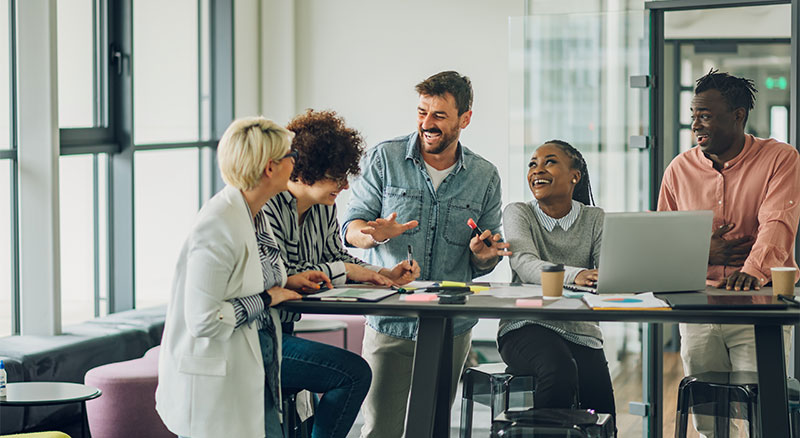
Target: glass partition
column 5, row 79
column 571, row 80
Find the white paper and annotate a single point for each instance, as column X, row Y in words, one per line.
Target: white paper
column 625, row 301
column 524, row 291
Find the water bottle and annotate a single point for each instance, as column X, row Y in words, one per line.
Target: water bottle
column 3, row 378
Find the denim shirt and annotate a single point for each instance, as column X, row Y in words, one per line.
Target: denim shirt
column 394, row 179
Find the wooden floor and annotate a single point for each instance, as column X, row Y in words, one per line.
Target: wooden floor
column 628, row 387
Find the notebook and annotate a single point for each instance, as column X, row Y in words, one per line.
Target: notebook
column 352, row 293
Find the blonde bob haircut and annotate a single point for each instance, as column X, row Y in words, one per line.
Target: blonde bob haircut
column 247, row 147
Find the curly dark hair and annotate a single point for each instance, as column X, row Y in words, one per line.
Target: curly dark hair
column 738, row 92
column 583, row 191
column 326, row 148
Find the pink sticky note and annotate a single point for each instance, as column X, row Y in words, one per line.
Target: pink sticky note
column 529, row 302
column 419, row 297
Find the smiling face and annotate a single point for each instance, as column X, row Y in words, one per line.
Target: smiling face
column 326, row 190
column 438, row 123
column 714, row 124
column 550, row 174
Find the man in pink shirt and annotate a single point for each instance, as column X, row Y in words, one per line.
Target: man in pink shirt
column 753, row 187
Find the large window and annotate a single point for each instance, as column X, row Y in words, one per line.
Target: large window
column 82, row 189
column 77, row 62
column 166, row 76
column 5, row 249
column 165, row 206
column 5, row 79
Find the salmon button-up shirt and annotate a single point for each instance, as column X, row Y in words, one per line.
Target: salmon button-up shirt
column 758, row 191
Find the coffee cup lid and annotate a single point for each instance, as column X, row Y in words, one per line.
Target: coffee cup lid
column 557, row 267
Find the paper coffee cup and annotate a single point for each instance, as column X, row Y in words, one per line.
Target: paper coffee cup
column 783, row 280
column 552, row 281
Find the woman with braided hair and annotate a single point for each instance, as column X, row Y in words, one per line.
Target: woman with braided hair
column 559, row 225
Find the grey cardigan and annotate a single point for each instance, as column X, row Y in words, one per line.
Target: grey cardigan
column 532, row 247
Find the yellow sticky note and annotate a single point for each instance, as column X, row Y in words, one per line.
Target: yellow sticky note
column 478, row 289
column 452, row 284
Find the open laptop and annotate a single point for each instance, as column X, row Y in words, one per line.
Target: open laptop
column 654, row 252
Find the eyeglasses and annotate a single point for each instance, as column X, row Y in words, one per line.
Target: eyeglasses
column 341, row 182
column 291, row 154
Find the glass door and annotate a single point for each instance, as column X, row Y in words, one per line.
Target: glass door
column 584, row 78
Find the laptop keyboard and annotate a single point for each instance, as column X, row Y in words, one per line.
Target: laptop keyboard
column 576, row 288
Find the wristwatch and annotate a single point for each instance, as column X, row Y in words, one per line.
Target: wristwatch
column 266, row 298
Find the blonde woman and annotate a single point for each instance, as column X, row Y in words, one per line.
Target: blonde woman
column 212, row 379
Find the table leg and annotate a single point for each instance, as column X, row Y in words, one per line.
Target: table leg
column 428, row 413
column 85, row 432
column 773, row 400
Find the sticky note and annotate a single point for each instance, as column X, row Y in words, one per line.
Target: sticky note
column 529, row 302
column 452, row 283
column 423, row 297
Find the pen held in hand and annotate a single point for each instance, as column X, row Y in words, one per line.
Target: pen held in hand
column 410, row 256
column 477, row 231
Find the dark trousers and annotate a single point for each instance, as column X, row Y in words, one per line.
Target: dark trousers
column 561, row 369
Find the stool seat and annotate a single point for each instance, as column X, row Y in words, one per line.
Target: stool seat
column 319, row 330
column 128, row 406
column 726, row 396
column 552, row 423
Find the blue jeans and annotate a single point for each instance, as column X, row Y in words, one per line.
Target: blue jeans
column 342, row 377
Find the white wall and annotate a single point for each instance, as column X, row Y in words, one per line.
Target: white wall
column 363, row 58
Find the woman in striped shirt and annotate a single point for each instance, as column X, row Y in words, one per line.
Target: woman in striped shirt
column 304, row 222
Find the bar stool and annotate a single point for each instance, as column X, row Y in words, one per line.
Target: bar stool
column 292, row 426
column 726, row 396
column 490, row 385
column 552, row 423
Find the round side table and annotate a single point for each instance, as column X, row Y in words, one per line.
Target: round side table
column 51, row 393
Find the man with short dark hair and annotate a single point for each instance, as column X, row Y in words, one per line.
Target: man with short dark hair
column 419, row 191
column 753, row 187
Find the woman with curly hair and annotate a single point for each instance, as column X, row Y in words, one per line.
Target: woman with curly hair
column 304, row 222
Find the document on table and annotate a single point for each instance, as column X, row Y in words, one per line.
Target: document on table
column 625, row 301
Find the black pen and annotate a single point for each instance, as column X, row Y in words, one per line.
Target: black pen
column 790, row 300
column 410, row 256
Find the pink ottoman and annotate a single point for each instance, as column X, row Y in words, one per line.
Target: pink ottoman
column 127, row 408
column 355, row 331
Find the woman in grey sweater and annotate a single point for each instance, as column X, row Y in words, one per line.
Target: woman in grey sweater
column 565, row 357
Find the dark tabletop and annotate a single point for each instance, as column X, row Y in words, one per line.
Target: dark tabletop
column 482, row 306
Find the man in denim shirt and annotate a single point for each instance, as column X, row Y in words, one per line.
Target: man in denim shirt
column 420, row 190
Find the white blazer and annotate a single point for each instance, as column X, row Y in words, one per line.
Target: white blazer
column 210, row 376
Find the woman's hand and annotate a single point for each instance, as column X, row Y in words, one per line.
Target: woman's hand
column 402, row 273
column 308, row 281
column 587, row 277
column 361, row 274
column 281, row 294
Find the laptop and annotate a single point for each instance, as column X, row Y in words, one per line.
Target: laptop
column 665, row 251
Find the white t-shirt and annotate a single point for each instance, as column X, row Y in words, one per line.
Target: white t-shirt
column 437, row 176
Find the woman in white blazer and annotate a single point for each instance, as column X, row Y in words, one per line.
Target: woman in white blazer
column 211, row 372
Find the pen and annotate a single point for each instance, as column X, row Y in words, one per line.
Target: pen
column 410, row 256
column 790, row 300
column 476, row 230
